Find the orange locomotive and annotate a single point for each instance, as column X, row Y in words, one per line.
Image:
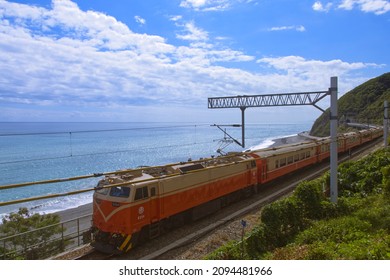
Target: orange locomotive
column 137, row 204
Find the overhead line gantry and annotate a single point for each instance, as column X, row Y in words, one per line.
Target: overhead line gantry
column 289, row 99
column 267, row 100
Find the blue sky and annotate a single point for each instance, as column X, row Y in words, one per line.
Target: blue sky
column 159, row 60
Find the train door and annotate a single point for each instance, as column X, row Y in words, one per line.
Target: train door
column 142, row 210
column 261, row 170
column 251, row 173
column 154, row 204
column 264, row 172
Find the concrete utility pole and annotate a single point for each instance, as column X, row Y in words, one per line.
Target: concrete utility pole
column 243, row 126
column 333, row 139
column 386, row 124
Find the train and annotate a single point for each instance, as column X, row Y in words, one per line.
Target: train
column 135, row 205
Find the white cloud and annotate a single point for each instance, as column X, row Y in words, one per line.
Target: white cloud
column 300, row 64
column 377, row 7
column 62, row 59
column 299, row 28
column 193, row 3
column 319, row 7
column 211, row 5
column 193, row 33
column 206, row 5
column 99, row 61
column 175, row 18
column 304, row 73
column 140, row 20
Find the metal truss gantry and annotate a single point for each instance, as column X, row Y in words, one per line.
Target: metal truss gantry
column 268, row 100
column 290, row 99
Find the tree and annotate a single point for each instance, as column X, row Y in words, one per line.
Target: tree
column 33, row 235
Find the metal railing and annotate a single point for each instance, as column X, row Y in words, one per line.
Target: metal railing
column 33, row 245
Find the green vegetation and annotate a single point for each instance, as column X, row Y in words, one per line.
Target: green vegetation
column 362, row 104
column 307, row 225
column 35, row 244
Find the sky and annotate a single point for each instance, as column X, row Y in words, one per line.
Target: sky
column 159, row 60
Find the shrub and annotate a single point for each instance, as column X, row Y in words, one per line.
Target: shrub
column 367, row 247
column 230, row 251
column 309, row 197
column 363, row 176
column 282, row 220
column 257, row 242
column 32, row 245
column 337, row 230
column 386, row 181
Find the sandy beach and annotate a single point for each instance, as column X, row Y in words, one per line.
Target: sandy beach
column 74, row 213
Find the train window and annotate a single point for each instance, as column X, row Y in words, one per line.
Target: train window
column 99, row 188
column 308, row 154
column 290, row 160
column 277, row 164
column 102, row 191
column 302, row 156
column 120, row 191
column 141, row 193
column 253, row 163
column 296, row 157
column 282, row 162
column 153, row 191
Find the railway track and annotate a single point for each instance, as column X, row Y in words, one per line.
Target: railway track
column 172, row 244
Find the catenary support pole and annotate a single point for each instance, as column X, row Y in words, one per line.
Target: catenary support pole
column 243, row 126
column 334, row 140
column 386, row 125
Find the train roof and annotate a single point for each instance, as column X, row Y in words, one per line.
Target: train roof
column 146, row 173
column 264, row 153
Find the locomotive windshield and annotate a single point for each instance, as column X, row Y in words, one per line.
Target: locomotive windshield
column 120, row 191
column 100, row 189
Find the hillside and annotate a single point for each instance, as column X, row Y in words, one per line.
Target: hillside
column 363, row 104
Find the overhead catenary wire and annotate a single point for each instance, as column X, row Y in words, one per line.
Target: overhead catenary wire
column 98, row 130
column 127, row 171
column 102, row 153
column 71, row 142
column 94, row 175
column 49, row 196
column 61, row 180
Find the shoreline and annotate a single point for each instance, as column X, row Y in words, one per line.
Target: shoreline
column 288, row 140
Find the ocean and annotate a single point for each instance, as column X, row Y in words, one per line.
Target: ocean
column 47, row 150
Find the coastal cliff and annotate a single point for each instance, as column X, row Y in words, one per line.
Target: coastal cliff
column 363, row 104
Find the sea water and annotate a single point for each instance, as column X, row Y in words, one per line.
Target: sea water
column 43, row 151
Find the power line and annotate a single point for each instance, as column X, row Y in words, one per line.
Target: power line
column 104, row 153
column 72, row 155
column 98, row 130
